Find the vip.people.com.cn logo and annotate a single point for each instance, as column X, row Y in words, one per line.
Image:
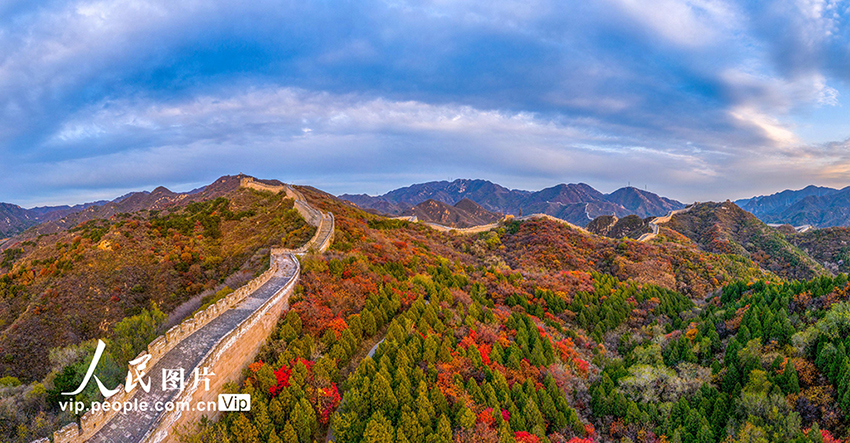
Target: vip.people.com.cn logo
column 172, row 380
column 234, row 402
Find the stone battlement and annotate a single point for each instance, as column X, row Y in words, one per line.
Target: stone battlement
column 91, row 422
column 249, row 313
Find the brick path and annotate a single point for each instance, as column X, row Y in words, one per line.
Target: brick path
column 131, row 427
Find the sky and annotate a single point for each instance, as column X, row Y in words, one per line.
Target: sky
column 693, row 99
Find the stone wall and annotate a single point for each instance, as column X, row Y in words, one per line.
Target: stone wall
column 92, row 421
column 227, row 359
column 249, row 182
column 235, row 350
column 469, row 230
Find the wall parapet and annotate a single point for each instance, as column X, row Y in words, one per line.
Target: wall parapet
column 167, row 419
column 91, row 422
column 249, row 182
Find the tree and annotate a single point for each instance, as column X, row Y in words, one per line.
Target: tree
column 409, row 423
column 383, row 398
column 244, row 431
column 506, row 434
column 369, row 325
column 466, row 418
column 304, row 420
column 378, row 429
column 444, row 429
column 261, row 419
column 792, row 383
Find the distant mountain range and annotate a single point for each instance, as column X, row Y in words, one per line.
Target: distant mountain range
column 485, row 201
column 813, row 205
column 577, row 203
column 15, row 219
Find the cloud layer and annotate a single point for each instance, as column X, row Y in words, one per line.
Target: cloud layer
column 697, row 99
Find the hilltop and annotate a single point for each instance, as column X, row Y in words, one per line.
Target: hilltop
column 630, row 226
column 70, row 280
column 462, row 214
column 725, row 228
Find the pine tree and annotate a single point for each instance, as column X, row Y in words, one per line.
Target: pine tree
column 261, row 419
column 517, row 421
column 378, row 429
column 506, row 434
column 304, row 420
column 276, row 412
column 815, row 435
column 369, row 325
column 289, row 434
column 400, row 437
column 383, row 398
column 430, row 352
column 444, row 429
column 409, row 423
column 294, row 321
column 496, row 353
column 445, row 354
column 632, row 413
column 533, row 417
column 425, row 410
column 441, row 405
column 791, row 381
column 466, row 418
column 244, row 431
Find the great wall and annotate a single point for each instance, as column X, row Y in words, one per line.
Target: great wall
column 664, row 219
column 221, row 339
column 486, row 227
column 226, row 336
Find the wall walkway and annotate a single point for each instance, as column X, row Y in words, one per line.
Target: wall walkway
column 224, row 338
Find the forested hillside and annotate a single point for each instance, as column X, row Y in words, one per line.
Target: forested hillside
column 726, row 228
column 532, row 332
column 537, row 332
column 71, row 286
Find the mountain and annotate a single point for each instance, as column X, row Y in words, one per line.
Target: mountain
column 829, row 246
column 577, row 203
column 491, row 196
column 813, row 205
column 630, row 226
column 514, row 321
column 72, row 279
column 15, row 219
column 725, row 228
column 643, row 203
column 820, row 211
column 463, row 214
column 157, row 200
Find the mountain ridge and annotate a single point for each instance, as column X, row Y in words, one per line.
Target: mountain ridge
column 578, row 203
column 818, row 206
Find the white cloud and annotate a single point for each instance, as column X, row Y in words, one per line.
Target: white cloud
column 689, row 23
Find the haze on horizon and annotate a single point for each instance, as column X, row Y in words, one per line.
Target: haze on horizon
column 695, row 99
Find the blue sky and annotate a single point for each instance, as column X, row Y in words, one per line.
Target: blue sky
column 697, row 100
